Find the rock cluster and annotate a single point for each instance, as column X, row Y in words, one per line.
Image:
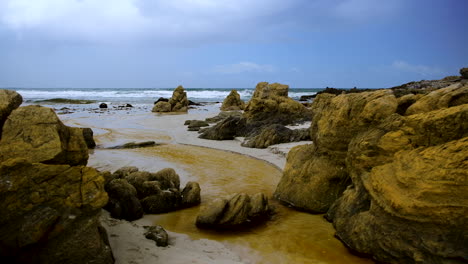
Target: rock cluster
column 133, row 192
column 269, row 105
column 50, row 201
column 276, row 134
column 177, row 103
column 232, row 102
column 389, row 171
column 239, row 210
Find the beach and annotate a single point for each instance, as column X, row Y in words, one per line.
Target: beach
column 222, row 168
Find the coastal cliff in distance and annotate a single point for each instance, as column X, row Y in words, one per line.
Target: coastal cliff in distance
column 390, row 169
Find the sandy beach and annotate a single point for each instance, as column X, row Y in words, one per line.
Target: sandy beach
column 222, row 168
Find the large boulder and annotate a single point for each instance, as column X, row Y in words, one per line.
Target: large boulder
column 36, row 134
column 123, row 202
column 225, row 130
column 177, row 103
column 239, row 210
column 9, row 101
column 453, row 95
column 50, row 214
column 232, row 102
column 315, row 175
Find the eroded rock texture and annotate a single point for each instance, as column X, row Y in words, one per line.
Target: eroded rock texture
column 232, row 102
column 177, row 103
column 403, row 169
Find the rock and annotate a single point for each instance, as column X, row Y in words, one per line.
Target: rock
column 177, row 103
column 128, row 105
column 123, row 202
column 167, row 177
column 193, row 103
column 271, row 102
column 464, row 73
column 232, row 102
column 162, row 107
column 36, row 134
column 124, row 172
column 304, row 98
column 223, row 115
column 191, row 194
column 238, row 211
column 163, row 202
column 131, row 145
column 161, row 99
column 453, row 95
column 103, row 105
column 335, row 91
column 158, row 235
column 276, row 134
column 198, row 124
column 9, row 101
column 88, row 137
column 226, row 129
column 50, row 214
column 315, row 175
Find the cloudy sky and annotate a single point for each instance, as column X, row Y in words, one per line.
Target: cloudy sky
column 230, row 43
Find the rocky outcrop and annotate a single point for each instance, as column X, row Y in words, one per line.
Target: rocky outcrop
column 133, row 192
column 36, row 134
column 227, row 129
column 9, row 101
column 464, row 73
column 390, row 173
column 240, row 210
column 50, row 202
column 232, row 102
column 177, row 103
column 276, row 134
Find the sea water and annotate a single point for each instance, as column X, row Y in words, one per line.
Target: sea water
column 143, row 95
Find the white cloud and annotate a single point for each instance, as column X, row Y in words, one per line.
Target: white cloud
column 419, row 69
column 243, row 67
column 98, row 20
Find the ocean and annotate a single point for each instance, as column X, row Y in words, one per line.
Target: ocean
column 142, row 95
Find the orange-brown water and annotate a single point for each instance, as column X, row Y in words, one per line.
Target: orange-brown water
column 290, row 237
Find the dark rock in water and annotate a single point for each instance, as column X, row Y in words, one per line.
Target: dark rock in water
column 131, row 145
column 187, row 122
column 162, row 202
column 241, row 210
column 123, row 202
column 161, row 99
column 464, row 73
column 128, row 105
column 158, row 235
column 306, row 97
column 191, row 194
column 276, row 134
column 103, row 105
column 193, row 103
column 197, row 124
column 88, row 137
column 9, row 101
column 226, row 129
column 223, row 115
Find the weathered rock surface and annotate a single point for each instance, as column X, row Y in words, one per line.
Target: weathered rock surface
column 88, row 137
column 9, row 101
column 276, row 134
column 402, row 163
column 236, row 211
column 225, row 130
column 158, row 235
column 177, row 103
column 464, row 73
column 50, row 214
column 133, row 192
column 232, row 102
column 36, row 134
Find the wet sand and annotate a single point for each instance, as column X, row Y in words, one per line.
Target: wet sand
column 222, row 168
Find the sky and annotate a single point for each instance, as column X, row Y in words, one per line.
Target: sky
column 230, row 43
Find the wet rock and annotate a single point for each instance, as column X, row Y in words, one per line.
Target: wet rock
column 131, row 145
column 232, row 102
column 197, row 124
column 276, row 134
column 103, row 105
column 88, row 137
column 238, row 211
column 124, row 172
column 226, row 129
column 9, row 101
column 50, row 214
column 177, row 103
column 161, row 99
column 36, row 134
column 158, row 235
column 223, row 115
column 191, row 194
column 162, row 202
column 304, row 98
column 193, row 103
column 128, row 105
column 123, row 202
column 464, row 73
